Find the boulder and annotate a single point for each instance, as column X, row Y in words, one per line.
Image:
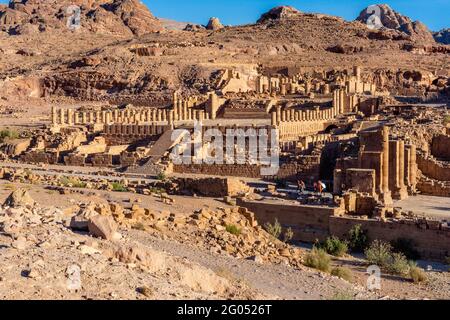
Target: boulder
column 80, row 221
column 103, row 227
column 214, row 24
column 19, row 198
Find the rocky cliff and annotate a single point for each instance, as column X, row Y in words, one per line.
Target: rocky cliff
column 391, row 19
column 124, row 17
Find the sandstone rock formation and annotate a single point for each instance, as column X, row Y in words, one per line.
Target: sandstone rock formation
column 103, row 227
column 125, row 17
column 19, row 198
column 280, row 13
column 214, row 24
column 391, row 19
column 442, row 36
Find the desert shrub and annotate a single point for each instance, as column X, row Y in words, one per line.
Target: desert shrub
column 274, row 229
column 138, row 226
column 233, row 229
column 343, row 273
column 335, row 246
column 446, row 120
column 161, row 176
column 357, row 239
column 118, row 187
column 318, row 259
column 72, row 182
column 407, row 247
column 343, row 296
column 379, row 253
column 417, row 274
column 398, row 264
column 7, row 133
column 288, row 235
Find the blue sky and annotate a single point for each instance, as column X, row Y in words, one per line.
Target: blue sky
column 434, row 13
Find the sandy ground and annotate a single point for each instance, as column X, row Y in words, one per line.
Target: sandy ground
column 438, row 207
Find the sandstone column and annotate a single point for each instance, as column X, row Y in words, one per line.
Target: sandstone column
column 341, row 101
column 54, row 116
column 62, row 116
column 386, row 194
column 70, row 117
column 274, row 118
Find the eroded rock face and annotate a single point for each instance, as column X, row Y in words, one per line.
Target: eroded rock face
column 442, row 36
column 214, row 24
column 279, row 13
column 396, row 21
column 125, row 17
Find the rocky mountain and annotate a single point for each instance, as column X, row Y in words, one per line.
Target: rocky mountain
column 442, row 36
column 125, row 17
column 393, row 20
column 279, row 13
column 113, row 65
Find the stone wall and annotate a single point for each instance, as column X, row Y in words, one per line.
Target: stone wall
column 440, row 147
column 212, row 187
column 309, row 223
column 40, row 157
column 306, row 168
column 433, row 168
column 432, row 242
column 433, row 187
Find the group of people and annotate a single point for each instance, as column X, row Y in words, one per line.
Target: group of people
column 319, row 186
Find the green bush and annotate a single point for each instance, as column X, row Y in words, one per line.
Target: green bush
column 343, row 273
column 398, row 264
column 288, row 235
column 446, row 120
column 118, row 187
column 318, row 259
column 274, row 229
column 379, row 253
column 335, row 246
column 343, row 296
column 72, row 182
column 407, row 247
column 161, row 176
column 417, row 274
column 357, row 239
column 7, row 133
column 233, row 229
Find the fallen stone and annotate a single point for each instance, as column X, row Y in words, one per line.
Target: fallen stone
column 19, row 198
column 88, row 250
column 103, row 227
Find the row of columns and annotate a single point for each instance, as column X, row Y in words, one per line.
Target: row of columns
column 133, row 129
column 290, row 115
column 70, row 117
